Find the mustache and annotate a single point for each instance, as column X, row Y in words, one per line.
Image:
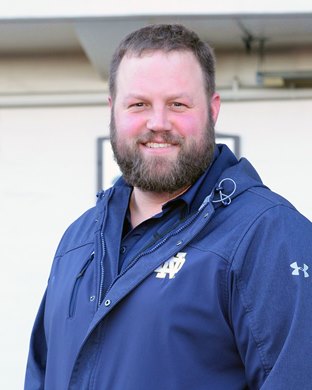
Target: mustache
column 160, row 136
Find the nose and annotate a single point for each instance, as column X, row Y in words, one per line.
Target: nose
column 158, row 120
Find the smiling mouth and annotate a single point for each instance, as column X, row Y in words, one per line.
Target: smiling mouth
column 156, row 145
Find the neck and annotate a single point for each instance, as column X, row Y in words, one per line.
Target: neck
column 144, row 204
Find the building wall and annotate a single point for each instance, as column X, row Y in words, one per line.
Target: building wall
column 48, row 172
column 276, row 137
column 48, row 161
column 242, row 67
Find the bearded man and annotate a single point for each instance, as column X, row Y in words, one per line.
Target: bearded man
column 189, row 273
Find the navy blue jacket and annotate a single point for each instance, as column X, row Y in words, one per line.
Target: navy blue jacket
column 221, row 301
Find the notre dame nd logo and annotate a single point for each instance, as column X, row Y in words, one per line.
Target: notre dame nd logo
column 171, row 266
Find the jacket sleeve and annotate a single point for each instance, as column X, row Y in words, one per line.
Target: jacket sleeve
column 271, row 300
column 35, row 370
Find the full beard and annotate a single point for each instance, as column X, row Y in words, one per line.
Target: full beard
column 159, row 174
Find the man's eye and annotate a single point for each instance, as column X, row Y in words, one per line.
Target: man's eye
column 139, row 104
column 178, row 105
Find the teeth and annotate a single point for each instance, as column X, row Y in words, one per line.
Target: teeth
column 157, row 145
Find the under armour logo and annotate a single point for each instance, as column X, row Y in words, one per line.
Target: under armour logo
column 171, row 266
column 296, row 269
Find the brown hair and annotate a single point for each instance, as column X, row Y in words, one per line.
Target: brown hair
column 165, row 37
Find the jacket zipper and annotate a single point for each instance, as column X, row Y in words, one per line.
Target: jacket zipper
column 102, row 269
column 74, row 294
column 108, row 194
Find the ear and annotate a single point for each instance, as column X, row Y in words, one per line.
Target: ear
column 215, row 106
column 110, row 102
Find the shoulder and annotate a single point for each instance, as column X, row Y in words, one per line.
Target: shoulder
column 274, row 235
column 276, row 215
column 259, row 206
column 257, row 221
column 269, row 214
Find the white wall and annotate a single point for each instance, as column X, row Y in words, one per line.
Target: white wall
column 47, row 160
column 276, row 137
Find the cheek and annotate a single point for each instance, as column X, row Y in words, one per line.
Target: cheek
column 129, row 125
column 191, row 125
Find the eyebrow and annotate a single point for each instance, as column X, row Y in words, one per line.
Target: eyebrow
column 134, row 96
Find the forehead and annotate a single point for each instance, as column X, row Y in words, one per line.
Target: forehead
column 179, row 68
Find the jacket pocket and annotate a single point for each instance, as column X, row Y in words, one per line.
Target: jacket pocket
column 77, row 283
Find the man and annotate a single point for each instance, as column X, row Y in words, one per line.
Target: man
column 189, row 273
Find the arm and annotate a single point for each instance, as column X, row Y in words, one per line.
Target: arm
column 271, row 304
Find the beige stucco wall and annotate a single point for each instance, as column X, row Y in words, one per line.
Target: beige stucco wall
column 242, row 66
column 72, row 72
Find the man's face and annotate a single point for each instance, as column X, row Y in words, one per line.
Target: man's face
column 161, row 122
